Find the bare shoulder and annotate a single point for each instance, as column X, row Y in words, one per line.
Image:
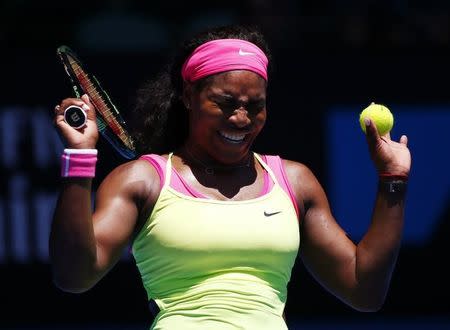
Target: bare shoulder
column 134, row 169
column 137, row 178
column 296, row 169
column 299, row 174
column 302, row 180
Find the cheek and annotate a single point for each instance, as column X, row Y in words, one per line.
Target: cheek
column 260, row 118
column 204, row 109
column 201, row 120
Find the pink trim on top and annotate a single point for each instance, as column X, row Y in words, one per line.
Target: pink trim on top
column 276, row 165
column 158, row 163
column 179, row 184
column 268, row 184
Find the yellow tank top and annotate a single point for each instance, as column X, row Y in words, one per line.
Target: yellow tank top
column 212, row 264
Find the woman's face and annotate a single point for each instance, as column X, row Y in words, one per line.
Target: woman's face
column 226, row 115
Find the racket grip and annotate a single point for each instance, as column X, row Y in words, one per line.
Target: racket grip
column 75, row 116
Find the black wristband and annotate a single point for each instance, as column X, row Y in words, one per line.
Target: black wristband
column 393, row 186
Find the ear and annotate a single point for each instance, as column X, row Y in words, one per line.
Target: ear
column 187, row 93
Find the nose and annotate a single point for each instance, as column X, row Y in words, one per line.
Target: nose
column 240, row 118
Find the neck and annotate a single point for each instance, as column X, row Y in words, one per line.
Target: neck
column 211, row 167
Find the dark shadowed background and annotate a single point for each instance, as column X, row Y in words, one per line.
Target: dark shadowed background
column 331, row 59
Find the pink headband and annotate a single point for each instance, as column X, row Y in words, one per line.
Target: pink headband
column 224, row 55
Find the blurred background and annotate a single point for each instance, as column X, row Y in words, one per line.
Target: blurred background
column 331, row 59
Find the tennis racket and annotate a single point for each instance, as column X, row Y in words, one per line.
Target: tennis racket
column 110, row 123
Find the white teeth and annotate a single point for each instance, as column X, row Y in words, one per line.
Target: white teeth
column 233, row 137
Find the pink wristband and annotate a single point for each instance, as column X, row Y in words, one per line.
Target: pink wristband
column 78, row 163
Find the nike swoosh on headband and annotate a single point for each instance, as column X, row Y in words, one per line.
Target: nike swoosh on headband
column 242, row 53
column 222, row 55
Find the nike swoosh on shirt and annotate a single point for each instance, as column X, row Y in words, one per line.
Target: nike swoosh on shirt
column 269, row 214
column 242, row 53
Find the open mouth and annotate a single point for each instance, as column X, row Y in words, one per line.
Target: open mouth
column 232, row 137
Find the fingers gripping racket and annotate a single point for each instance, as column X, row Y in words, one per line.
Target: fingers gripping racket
column 109, row 121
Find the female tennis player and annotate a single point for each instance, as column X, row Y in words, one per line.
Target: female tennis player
column 216, row 227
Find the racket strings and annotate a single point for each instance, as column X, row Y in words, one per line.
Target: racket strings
column 101, row 104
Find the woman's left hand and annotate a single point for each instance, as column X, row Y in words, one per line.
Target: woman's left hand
column 388, row 156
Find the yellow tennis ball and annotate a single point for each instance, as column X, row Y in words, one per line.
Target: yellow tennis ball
column 380, row 115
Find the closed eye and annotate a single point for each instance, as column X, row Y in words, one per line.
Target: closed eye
column 255, row 107
column 228, row 104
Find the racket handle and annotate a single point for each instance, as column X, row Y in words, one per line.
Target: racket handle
column 75, row 117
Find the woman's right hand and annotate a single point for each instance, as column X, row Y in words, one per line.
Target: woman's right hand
column 82, row 138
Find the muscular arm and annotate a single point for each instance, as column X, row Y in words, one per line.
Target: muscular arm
column 84, row 245
column 358, row 274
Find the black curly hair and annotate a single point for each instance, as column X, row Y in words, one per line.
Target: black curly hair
column 159, row 119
